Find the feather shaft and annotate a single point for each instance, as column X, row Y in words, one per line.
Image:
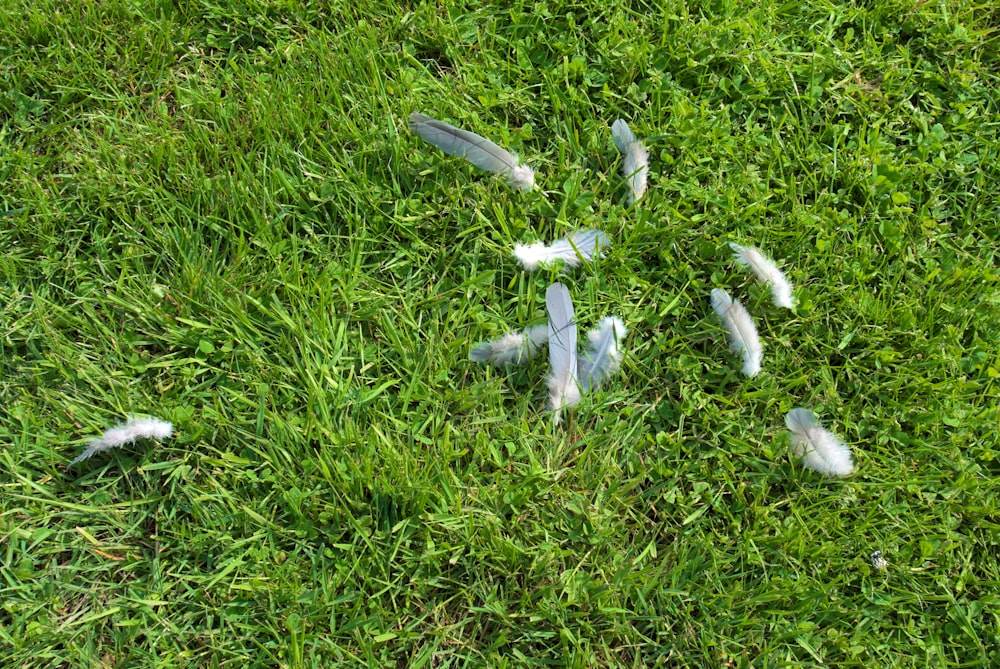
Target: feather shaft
column 767, row 272
column 514, row 348
column 603, row 356
column 474, row 148
column 635, row 159
column 564, row 393
column 743, row 338
column 820, row 449
column 582, row 245
column 133, row 429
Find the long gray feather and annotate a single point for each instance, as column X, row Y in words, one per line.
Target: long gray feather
column 478, row 150
column 564, row 392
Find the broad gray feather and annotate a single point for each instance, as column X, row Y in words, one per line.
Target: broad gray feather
column 563, row 389
column 478, row 150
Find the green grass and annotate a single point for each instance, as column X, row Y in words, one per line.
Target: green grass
column 214, row 213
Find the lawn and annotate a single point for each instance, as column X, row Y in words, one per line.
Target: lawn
column 213, row 212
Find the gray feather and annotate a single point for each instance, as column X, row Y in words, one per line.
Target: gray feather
column 478, row 150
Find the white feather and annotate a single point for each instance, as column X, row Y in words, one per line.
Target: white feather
column 603, row 357
column 134, row 428
column 516, row 348
column 743, row 337
column 766, row 272
column 581, row 245
column 820, row 449
column 635, row 164
column 563, row 390
column 478, row 150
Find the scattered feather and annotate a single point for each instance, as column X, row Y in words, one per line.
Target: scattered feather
column 564, row 393
column 766, row 272
column 579, row 246
column 478, row 150
column 133, row 429
column 514, row 348
column 743, row 337
column 879, row 563
column 635, row 165
column 820, row 449
column 603, row 357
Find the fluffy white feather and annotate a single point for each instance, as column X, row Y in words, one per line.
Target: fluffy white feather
column 820, row 449
column 766, row 272
column 478, row 150
column 133, row 429
column 743, row 337
column 635, row 163
column 603, row 357
column 579, row 246
column 564, row 393
column 514, row 348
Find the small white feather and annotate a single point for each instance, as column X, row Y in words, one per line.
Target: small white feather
column 635, row 163
column 133, row 429
column 603, row 357
column 767, row 272
column 564, row 393
column 580, row 246
column 820, row 449
column 478, row 150
column 514, row 348
column 743, row 337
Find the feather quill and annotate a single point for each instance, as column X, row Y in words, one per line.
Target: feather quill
column 603, row 357
column 743, row 337
column 635, row 164
column 514, row 348
column 820, row 449
column 478, row 150
column 133, row 429
column 579, row 246
column 767, row 272
column 563, row 390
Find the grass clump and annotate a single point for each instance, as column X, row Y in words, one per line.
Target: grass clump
column 213, row 213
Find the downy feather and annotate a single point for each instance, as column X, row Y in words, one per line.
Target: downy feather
column 635, row 163
column 563, row 390
column 743, row 337
column 133, row 429
column 766, row 272
column 478, row 150
column 820, row 449
column 603, row 357
column 514, row 348
column 581, row 245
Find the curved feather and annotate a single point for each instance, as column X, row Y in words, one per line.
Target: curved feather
column 514, row 348
column 821, row 450
column 133, row 429
column 635, row 165
column 478, row 150
column 603, row 356
column 743, row 337
column 563, row 390
column 767, row 272
column 579, row 246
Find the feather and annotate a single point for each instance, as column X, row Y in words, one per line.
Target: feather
column 635, row 165
column 581, row 245
column 479, row 151
column 563, row 390
column 766, row 272
column 134, row 428
column 820, row 449
column 743, row 337
column 603, row 357
column 516, row 348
